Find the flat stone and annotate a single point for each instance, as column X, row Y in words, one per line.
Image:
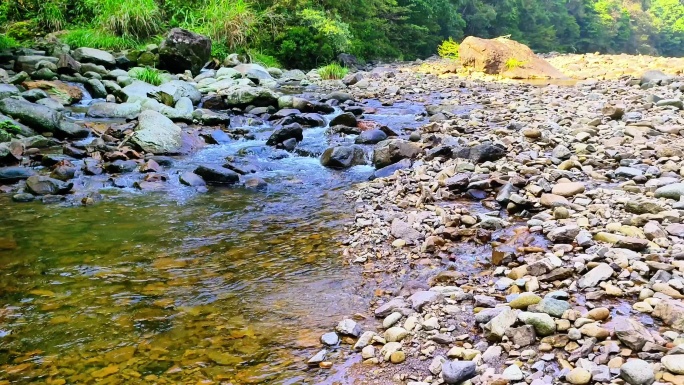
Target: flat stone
column 422, row 298
column 568, row 189
column 456, row 372
column 599, row 273
column 348, row 327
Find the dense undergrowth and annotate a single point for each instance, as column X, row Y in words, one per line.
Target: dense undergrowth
column 304, row 34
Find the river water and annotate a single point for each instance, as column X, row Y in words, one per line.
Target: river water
column 229, row 286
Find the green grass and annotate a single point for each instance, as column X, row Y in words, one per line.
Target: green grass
column 267, row 61
column 51, row 15
column 94, row 38
column 333, row 71
column 148, row 75
column 7, row 42
column 230, row 21
column 448, row 49
column 139, row 18
column 513, row 63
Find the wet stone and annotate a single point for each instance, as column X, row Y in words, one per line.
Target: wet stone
column 330, row 339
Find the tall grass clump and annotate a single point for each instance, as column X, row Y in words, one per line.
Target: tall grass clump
column 448, row 49
column 131, row 18
column 51, row 15
column 232, row 22
column 95, row 38
column 265, row 60
column 147, row 75
column 333, row 71
column 7, row 42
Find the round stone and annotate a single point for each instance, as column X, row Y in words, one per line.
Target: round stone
column 398, row 357
column 578, row 376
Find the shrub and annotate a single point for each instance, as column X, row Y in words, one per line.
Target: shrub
column 7, row 42
column 131, row 18
column 333, row 71
column 22, row 30
column 148, row 75
column 448, row 49
column 514, row 63
column 95, row 38
column 299, row 47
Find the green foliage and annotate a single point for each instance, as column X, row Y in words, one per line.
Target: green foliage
column 7, row 42
column 232, row 22
column 22, row 30
column 265, row 60
column 448, row 49
column 513, row 63
column 9, row 127
column 301, row 47
column 148, row 75
column 51, row 15
column 95, row 38
column 307, row 34
column 335, row 32
column 130, row 18
column 333, row 71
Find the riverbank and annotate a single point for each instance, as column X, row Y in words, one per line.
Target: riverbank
column 536, row 235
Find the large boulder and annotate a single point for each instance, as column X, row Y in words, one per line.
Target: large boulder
column 217, row 175
column 95, row 56
column 505, row 57
column 29, row 63
column 157, row 134
column 179, row 89
column 114, row 111
column 43, row 185
column 14, row 174
column 253, row 72
column 36, row 116
column 343, row 157
column 8, row 90
column 183, row 50
column 138, row 91
column 280, row 135
column 241, row 96
column 391, row 151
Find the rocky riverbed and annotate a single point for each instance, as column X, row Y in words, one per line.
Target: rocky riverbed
column 535, row 237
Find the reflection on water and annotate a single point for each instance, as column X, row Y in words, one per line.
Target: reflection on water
column 232, row 285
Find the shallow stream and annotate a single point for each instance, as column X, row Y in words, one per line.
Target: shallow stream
column 230, row 286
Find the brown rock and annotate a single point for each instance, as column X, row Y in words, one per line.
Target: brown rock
column 65, row 93
column 496, row 56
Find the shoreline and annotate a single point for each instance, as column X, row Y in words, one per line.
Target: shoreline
column 561, row 165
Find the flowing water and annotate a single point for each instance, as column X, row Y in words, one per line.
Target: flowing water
column 230, row 286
